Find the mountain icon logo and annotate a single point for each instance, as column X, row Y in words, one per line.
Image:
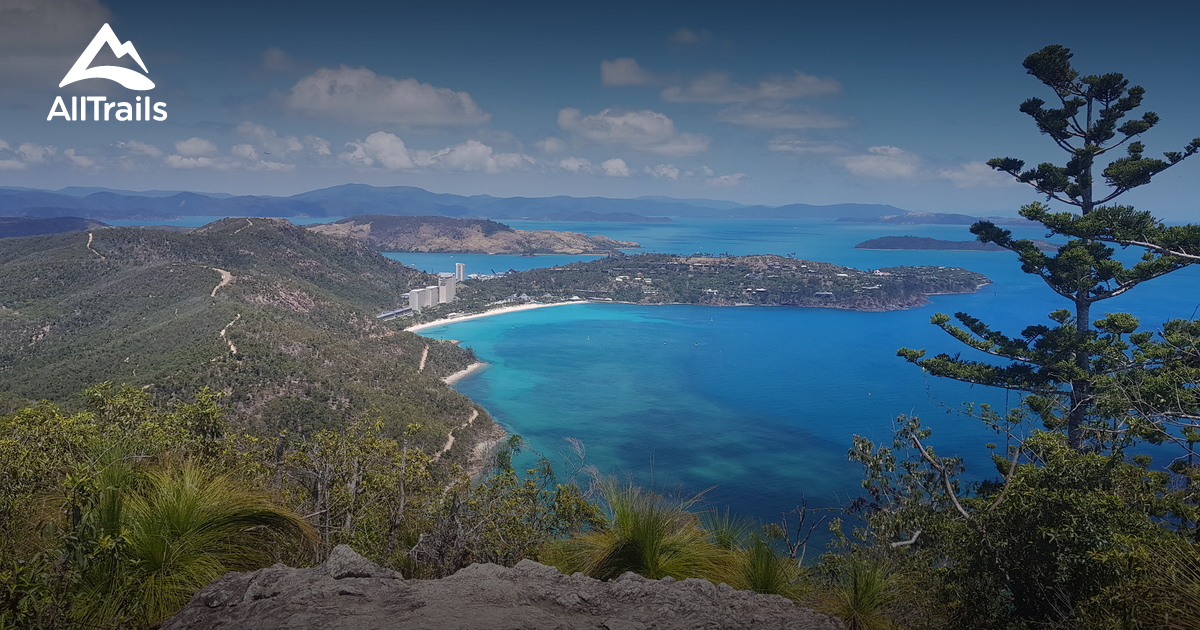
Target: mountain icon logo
column 131, row 79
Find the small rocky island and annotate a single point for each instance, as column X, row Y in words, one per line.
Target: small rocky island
column 469, row 236
column 765, row 280
column 924, row 243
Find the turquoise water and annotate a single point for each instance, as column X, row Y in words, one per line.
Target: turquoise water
column 754, row 405
column 199, row 220
column 482, row 263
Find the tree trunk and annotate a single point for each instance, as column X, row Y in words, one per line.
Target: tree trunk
column 1081, row 387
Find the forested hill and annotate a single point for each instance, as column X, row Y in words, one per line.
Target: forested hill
column 478, row 236
column 32, row 226
column 725, row 281
column 279, row 318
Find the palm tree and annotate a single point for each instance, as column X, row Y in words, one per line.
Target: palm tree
column 169, row 531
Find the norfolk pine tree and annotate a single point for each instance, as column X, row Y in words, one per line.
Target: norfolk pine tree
column 1068, row 536
column 1101, row 382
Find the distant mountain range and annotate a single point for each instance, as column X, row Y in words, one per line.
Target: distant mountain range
column 356, row 199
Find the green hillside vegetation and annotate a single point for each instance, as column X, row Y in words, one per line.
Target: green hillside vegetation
column 721, row 281
column 479, row 236
column 32, row 226
column 138, row 307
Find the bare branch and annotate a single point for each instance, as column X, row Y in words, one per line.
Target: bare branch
column 941, row 468
column 910, row 541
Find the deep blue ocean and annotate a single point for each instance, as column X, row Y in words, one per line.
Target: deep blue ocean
column 755, row 406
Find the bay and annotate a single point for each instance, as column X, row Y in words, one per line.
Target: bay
column 756, row 407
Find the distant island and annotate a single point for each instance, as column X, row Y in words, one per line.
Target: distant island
column 473, row 236
column 934, row 218
column 766, row 280
column 925, row 243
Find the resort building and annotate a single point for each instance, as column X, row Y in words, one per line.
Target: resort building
column 446, row 288
column 441, row 293
column 460, row 272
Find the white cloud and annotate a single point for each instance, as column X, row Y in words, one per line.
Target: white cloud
column 198, row 153
column 195, row 147
column 387, row 150
column 718, row 87
column 624, row 71
column 726, row 181
column 975, row 175
column 552, row 145
column 688, row 36
column 471, row 155
column 267, row 150
column 575, row 164
column 884, row 162
column 275, row 167
column 664, row 171
column 179, row 161
column 244, row 151
column 781, row 117
column 359, row 95
column 382, row 148
column 137, row 147
column 614, row 126
column 683, row 145
column 130, row 155
column 319, row 146
column 615, row 167
column 32, row 153
column 80, row 161
column 700, row 171
column 8, row 158
column 644, row 130
column 267, row 140
column 803, row 147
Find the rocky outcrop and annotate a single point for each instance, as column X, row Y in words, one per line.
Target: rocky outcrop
column 350, row 593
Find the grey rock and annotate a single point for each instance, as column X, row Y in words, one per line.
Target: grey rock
column 621, row 624
column 344, row 562
column 349, row 592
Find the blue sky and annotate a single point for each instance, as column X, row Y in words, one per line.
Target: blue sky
column 866, row 102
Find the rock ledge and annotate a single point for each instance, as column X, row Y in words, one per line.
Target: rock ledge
column 349, row 592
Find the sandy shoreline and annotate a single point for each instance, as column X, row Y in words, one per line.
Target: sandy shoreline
column 498, row 311
column 463, row 373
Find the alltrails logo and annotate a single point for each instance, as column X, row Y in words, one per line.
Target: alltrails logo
column 142, row 108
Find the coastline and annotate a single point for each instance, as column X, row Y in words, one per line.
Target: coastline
column 463, row 373
column 497, row 311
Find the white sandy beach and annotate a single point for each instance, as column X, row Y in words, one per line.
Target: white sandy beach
column 498, row 311
column 461, row 374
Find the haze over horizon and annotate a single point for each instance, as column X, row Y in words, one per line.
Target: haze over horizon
column 756, row 104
